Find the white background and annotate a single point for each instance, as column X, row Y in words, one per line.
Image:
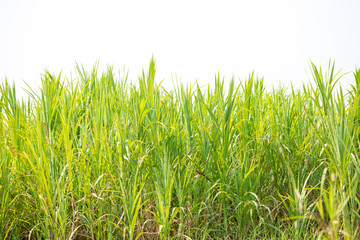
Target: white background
column 190, row 39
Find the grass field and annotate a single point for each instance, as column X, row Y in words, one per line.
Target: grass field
column 97, row 157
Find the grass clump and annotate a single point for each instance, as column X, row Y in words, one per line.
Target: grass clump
column 101, row 158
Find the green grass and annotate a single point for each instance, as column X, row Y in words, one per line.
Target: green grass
column 101, row 158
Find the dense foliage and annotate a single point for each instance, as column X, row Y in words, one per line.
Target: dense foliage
column 100, row 158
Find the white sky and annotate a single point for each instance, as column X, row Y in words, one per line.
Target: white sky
column 190, row 39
